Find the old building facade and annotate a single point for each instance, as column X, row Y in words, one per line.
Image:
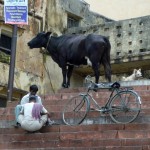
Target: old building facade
column 129, row 39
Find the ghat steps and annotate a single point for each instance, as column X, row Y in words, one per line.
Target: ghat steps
column 97, row 133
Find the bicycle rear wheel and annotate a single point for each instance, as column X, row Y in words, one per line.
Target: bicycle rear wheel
column 76, row 110
column 125, row 107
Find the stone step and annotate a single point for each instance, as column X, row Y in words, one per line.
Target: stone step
column 91, row 118
column 81, row 89
column 83, row 128
column 86, row 144
column 56, row 111
column 145, row 147
column 68, row 95
column 100, row 98
column 145, row 109
column 97, row 132
column 58, row 106
column 94, row 148
column 89, row 136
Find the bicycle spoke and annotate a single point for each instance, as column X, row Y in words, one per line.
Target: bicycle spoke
column 75, row 110
column 124, row 107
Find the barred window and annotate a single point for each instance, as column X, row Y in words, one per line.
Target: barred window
column 72, row 22
column 5, row 43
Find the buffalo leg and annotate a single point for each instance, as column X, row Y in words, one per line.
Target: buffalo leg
column 69, row 73
column 107, row 67
column 95, row 67
column 64, row 72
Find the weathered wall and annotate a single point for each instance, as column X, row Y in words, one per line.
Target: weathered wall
column 57, row 23
column 32, row 67
column 130, row 43
column 29, row 67
column 60, row 9
column 51, row 15
column 128, row 37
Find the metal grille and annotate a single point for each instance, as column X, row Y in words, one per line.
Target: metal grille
column 72, row 22
column 5, row 43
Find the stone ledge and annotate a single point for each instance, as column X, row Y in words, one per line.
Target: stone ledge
column 135, row 83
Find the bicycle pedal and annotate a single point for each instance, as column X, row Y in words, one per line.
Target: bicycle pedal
column 104, row 110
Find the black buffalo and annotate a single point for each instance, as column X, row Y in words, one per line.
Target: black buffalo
column 73, row 50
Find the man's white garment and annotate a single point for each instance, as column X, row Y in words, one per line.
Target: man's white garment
column 27, row 121
column 25, row 99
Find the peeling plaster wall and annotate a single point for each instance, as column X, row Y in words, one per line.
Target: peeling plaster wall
column 130, row 44
column 127, row 37
column 29, row 67
column 56, row 21
column 80, row 9
column 32, row 67
column 60, row 9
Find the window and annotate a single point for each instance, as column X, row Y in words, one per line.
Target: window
column 129, row 33
column 118, row 27
column 130, row 52
column 72, row 22
column 143, row 50
column 106, row 29
column 118, row 44
column 5, row 43
column 141, row 23
column 118, row 35
column 130, row 43
column 130, row 25
column 118, row 53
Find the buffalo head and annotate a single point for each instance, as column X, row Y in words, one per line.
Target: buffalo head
column 40, row 40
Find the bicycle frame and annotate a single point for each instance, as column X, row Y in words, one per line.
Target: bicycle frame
column 97, row 106
column 118, row 105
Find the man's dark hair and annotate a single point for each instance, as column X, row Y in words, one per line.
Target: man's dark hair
column 33, row 88
column 32, row 98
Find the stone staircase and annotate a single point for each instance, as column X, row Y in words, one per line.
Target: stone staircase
column 96, row 133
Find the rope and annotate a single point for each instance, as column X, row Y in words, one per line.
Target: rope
column 47, row 69
column 49, row 76
column 48, row 42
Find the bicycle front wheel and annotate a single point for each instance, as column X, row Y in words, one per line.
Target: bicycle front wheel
column 125, row 107
column 76, row 110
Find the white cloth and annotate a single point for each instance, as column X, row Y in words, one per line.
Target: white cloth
column 27, row 121
column 25, row 99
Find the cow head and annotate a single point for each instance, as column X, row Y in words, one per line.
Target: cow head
column 40, row 40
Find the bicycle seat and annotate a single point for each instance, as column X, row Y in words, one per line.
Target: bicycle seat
column 115, row 85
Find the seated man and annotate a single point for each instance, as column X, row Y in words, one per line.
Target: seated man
column 32, row 91
column 33, row 116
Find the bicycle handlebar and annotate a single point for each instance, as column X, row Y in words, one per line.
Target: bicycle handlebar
column 95, row 86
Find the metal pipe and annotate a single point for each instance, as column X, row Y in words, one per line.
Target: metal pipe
column 12, row 63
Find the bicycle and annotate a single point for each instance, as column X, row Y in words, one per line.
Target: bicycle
column 123, row 104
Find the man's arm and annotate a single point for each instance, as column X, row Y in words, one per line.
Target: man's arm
column 39, row 100
column 44, row 112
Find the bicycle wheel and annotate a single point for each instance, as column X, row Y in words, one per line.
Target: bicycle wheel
column 125, row 107
column 76, row 110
